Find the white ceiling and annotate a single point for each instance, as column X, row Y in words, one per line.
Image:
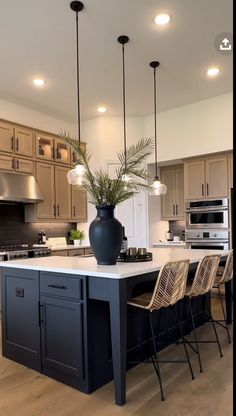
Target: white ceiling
column 37, row 37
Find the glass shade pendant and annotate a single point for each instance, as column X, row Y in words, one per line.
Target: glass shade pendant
column 157, row 188
column 75, row 176
column 123, row 39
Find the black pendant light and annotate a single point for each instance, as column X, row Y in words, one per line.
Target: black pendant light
column 157, row 188
column 123, row 39
column 76, row 175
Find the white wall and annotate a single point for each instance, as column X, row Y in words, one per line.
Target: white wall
column 22, row 115
column 199, row 128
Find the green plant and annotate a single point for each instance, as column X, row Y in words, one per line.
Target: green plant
column 77, row 235
column 104, row 190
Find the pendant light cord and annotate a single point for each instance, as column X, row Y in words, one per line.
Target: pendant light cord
column 155, row 119
column 77, row 72
column 124, row 108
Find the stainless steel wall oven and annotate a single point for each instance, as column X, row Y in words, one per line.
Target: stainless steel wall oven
column 209, row 214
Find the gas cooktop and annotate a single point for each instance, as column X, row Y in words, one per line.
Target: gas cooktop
column 17, row 251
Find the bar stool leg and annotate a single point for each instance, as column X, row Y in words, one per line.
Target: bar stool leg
column 183, row 341
column 156, row 363
column 223, row 311
column 213, row 324
column 195, row 335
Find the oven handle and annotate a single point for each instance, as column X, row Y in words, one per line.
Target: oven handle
column 203, row 211
column 207, row 241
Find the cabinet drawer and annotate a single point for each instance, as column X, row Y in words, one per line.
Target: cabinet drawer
column 61, row 286
column 76, row 252
column 88, row 250
column 60, row 253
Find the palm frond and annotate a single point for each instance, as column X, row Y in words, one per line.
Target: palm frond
column 104, row 190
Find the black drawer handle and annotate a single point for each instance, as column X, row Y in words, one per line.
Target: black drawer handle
column 57, row 286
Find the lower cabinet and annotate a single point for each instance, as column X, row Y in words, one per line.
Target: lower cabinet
column 62, row 335
column 20, row 317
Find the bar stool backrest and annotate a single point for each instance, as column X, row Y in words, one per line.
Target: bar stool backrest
column 228, row 269
column 170, row 285
column 205, row 275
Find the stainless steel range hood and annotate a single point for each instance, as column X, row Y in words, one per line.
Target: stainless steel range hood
column 19, row 188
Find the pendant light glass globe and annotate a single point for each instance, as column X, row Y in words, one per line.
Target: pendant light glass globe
column 158, row 188
column 75, row 176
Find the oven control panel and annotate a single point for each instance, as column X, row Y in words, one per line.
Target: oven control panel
column 206, row 235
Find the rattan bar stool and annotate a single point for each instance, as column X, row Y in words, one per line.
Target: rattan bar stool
column 169, row 289
column 224, row 274
column 202, row 284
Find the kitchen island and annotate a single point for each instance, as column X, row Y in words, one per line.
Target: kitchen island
column 67, row 317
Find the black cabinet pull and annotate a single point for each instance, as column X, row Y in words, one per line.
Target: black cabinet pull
column 176, row 209
column 17, row 164
column 58, row 210
column 202, row 189
column 207, row 189
column 74, row 210
column 17, row 144
column 57, row 286
column 12, row 143
column 13, row 163
column 41, row 321
column 54, row 210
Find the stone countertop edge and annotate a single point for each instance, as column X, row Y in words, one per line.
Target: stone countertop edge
column 88, row 266
column 68, row 247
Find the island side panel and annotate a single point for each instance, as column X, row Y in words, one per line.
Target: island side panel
column 20, row 317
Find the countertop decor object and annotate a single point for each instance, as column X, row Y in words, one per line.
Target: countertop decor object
column 157, row 188
column 106, row 192
column 77, row 236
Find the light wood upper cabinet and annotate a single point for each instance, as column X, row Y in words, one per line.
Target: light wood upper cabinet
column 6, row 137
column 62, row 193
column 78, row 204
column 44, row 146
column 12, row 164
column 23, row 142
column 62, row 151
column 45, row 180
column 73, row 154
column 206, row 178
column 16, row 140
column 217, row 177
column 173, row 201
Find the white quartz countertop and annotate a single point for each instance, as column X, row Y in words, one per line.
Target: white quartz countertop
column 88, row 266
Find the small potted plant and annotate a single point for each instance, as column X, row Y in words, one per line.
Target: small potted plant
column 77, row 236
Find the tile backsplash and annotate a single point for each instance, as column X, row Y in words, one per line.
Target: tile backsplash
column 13, row 229
column 177, row 227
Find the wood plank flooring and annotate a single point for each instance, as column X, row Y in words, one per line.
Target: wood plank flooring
column 24, row 392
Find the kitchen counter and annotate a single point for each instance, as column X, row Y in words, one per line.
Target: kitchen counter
column 88, row 265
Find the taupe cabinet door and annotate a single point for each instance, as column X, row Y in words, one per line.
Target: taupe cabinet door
column 173, row 201
column 206, row 178
column 44, row 146
column 6, row 138
column 45, row 179
column 23, row 142
column 216, row 177
column 18, row 140
column 13, row 164
column 79, row 204
column 62, row 151
column 6, row 162
column 63, row 193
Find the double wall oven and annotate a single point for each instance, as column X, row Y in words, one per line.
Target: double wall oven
column 207, row 224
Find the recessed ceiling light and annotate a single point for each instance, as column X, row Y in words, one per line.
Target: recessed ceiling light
column 212, row 72
column 38, row 82
column 162, row 19
column 102, row 109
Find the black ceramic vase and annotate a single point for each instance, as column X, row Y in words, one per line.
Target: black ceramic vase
column 105, row 235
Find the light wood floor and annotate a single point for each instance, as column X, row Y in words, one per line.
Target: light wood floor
column 23, row 392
